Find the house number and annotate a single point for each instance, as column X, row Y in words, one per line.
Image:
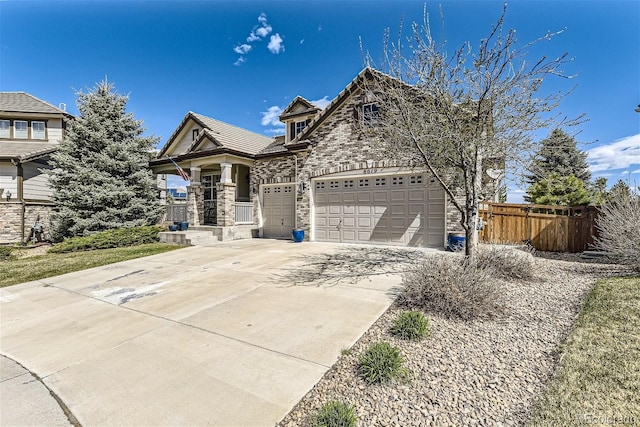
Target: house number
column 369, row 171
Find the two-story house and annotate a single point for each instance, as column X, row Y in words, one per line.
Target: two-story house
column 30, row 130
column 325, row 176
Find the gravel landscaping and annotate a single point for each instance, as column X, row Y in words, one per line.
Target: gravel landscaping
column 478, row 372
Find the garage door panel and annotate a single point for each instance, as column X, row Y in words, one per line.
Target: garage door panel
column 349, row 222
column 387, row 209
column 397, row 209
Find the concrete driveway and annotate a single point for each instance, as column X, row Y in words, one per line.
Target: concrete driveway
column 200, row 336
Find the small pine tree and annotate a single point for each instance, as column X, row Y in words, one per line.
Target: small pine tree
column 599, row 191
column 559, row 190
column 619, row 191
column 559, row 154
column 100, row 176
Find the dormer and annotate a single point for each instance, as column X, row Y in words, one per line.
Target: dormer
column 297, row 116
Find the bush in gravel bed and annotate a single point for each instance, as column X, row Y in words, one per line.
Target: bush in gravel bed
column 451, row 286
column 335, row 414
column 618, row 225
column 410, row 325
column 507, row 262
column 381, row 363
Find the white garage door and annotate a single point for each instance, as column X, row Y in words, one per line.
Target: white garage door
column 278, row 210
column 392, row 209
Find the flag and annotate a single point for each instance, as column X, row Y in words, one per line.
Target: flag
column 181, row 171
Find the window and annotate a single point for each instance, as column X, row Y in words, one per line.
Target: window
column 319, row 185
column 363, row 182
column 5, row 129
column 38, row 130
column 334, row 184
column 209, row 186
column 194, row 134
column 20, row 129
column 370, row 114
column 300, row 127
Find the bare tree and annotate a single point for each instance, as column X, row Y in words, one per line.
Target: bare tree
column 460, row 114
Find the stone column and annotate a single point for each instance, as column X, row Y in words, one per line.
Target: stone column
column 226, row 214
column 225, row 173
column 195, row 204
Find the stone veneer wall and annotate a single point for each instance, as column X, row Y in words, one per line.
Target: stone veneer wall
column 338, row 145
column 10, row 219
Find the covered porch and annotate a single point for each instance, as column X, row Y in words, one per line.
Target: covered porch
column 220, row 199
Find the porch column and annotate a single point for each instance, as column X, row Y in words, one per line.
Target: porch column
column 195, row 174
column 226, row 213
column 225, row 176
column 195, row 204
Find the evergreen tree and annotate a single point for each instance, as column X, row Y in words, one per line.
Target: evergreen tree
column 558, row 154
column 599, row 192
column 100, row 176
column 559, row 190
column 619, row 191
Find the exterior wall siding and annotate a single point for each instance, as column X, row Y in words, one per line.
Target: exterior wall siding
column 36, row 184
column 185, row 142
column 8, row 179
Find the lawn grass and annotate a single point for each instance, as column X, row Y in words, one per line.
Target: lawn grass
column 597, row 381
column 21, row 270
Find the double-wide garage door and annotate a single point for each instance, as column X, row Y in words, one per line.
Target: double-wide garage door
column 391, row 209
column 278, row 210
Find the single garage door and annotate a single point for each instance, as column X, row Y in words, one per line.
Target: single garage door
column 391, row 209
column 278, row 210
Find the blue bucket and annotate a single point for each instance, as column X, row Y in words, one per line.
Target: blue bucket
column 298, row 235
column 184, row 225
column 456, row 242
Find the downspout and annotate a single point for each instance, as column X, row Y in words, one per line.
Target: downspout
column 295, row 205
column 20, row 187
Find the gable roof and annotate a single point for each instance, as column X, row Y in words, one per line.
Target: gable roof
column 367, row 72
column 291, row 111
column 22, row 102
column 225, row 135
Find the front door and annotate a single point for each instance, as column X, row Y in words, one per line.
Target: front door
column 210, row 198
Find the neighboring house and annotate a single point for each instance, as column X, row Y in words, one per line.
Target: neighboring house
column 178, row 195
column 323, row 176
column 30, row 130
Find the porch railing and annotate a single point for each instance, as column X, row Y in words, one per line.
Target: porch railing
column 176, row 212
column 244, row 213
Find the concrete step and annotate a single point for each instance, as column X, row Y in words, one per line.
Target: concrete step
column 189, row 237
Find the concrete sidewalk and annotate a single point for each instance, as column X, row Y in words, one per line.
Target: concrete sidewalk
column 200, row 336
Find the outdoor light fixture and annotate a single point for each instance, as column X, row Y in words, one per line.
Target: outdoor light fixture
column 302, row 187
column 9, row 195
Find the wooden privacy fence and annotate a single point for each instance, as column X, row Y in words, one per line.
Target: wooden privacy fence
column 546, row 228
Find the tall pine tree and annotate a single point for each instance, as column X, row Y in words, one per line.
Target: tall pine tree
column 559, row 156
column 100, row 176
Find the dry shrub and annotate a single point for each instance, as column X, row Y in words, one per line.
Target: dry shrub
column 618, row 225
column 453, row 287
column 506, row 262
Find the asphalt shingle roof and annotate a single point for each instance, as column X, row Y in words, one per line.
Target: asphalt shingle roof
column 22, row 102
column 25, row 150
column 233, row 137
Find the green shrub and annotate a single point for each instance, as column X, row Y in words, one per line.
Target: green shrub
column 109, row 239
column 335, row 414
column 410, row 325
column 5, row 252
column 506, row 262
column 381, row 363
column 451, row 286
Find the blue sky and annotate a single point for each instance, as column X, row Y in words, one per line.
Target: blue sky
column 242, row 61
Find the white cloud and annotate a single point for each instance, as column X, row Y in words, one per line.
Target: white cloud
column 252, row 37
column 321, row 103
column 264, row 31
column 301, row 41
column 275, row 44
column 240, row 60
column 635, row 171
column 619, row 154
column 270, row 117
column 275, row 131
column 262, row 18
column 242, row 49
